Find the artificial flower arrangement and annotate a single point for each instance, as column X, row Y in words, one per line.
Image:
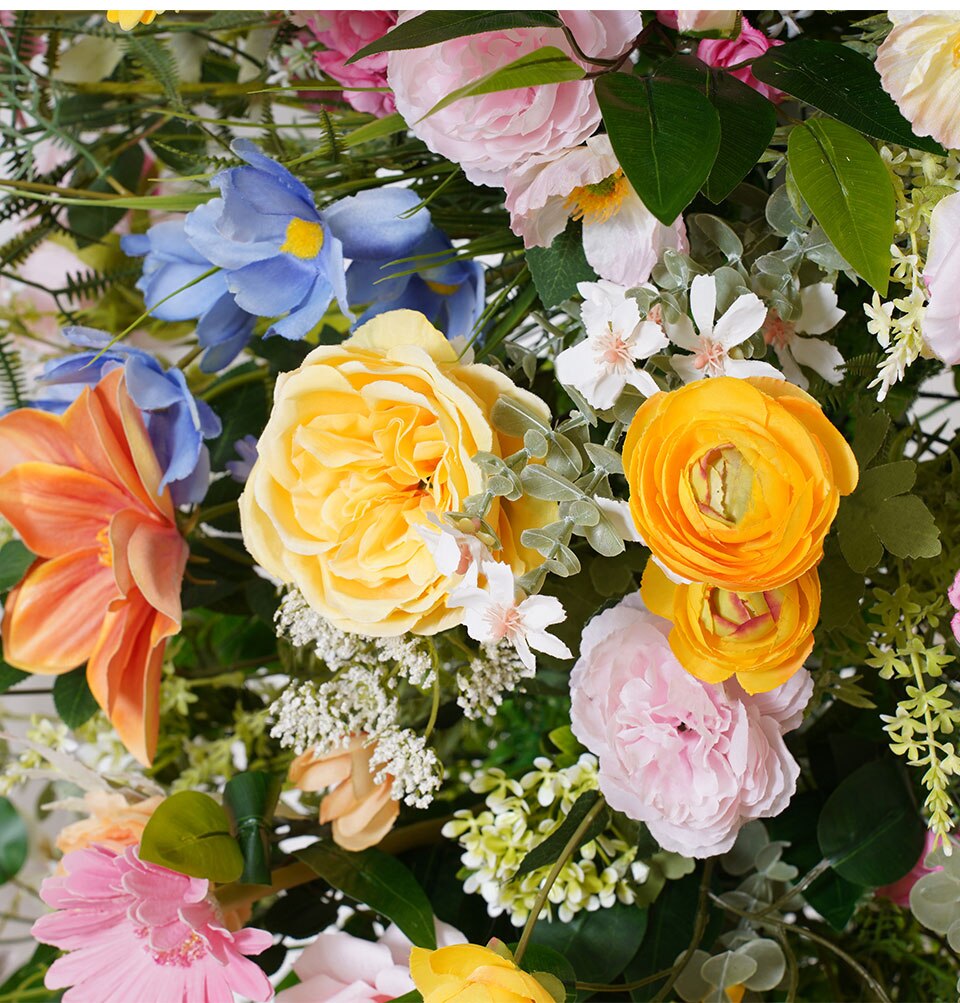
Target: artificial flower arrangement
column 478, row 493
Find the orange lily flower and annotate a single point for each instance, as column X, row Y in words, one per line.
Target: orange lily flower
column 81, row 490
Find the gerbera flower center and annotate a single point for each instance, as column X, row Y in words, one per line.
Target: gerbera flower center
column 777, row 331
column 598, row 202
column 722, row 484
column 189, row 950
column 303, row 238
column 710, row 356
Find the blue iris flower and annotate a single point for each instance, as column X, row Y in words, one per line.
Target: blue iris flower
column 374, row 234
column 171, row 262
column 176, row 421
column 277, row 253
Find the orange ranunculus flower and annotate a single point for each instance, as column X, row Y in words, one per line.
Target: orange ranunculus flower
column 362, row 811
column 81, row 490
column 112, row 822
column 736, row 482
column 467, row 973
column 763, row 637
column 367, row 440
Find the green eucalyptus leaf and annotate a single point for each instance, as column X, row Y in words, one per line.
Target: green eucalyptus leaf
column 512, row 418
column 542, row 482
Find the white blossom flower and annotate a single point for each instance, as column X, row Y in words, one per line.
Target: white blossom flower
column 880, row 320
column 603, row 363
column 712, row 340
column 818, row 314
column 493, row 614
column 453, row 552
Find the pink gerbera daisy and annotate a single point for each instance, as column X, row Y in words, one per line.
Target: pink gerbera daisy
column 130, row 924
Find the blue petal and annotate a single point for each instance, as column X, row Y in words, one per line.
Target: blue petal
column 80, row 369
column 203, row 232
column 191, row 489
column 176, row 441
column 210, row 424
column 187, row 303
column 374, row 282
column 223, row 331
column 272, row 287
column 369, row 224
column 252, row 155
column 149, row 387
column 301, row 321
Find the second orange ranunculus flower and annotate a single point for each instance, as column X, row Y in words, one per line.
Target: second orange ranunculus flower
column 735, row 482
column 81, row 490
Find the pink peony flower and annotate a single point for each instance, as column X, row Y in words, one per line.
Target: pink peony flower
column 941, row 320
column 692, row 760
column 490, row 134
column 127, row 923
column 587, row 183
column 953, row 594
column 340, row 968
column 344, row 32
column 749, row 44
column 899, row 891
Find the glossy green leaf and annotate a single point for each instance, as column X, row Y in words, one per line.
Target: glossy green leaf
column 378, row 880
column 539, row 959
column 875, row 840
column 665, row 135
column 72, row 698
column 546, row 65
column 442, row 25
column 9, row 676
column 14, row 561
column 250, row 798
column 842, row 83
column 190, row 833
column 14, row 842
column 547, row 851
column 847, row 187
column 557, row 269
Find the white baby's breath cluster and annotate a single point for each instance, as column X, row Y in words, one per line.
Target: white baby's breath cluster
column 415, row 768
column 495, row 670
column 521, row 814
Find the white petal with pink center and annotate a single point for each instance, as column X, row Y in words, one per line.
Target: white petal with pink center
column 819, row 313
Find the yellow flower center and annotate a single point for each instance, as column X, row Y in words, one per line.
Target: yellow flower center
column 597, row 203
column 722, row 484
column 105, row 556
column 441, row 288
column 303, row 238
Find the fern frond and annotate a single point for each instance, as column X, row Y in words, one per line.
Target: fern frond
column 13, row 391
column 155, row 60
column 94, row 284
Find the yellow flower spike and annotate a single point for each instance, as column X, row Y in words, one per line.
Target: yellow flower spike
column 129, row 19
column 468, row 973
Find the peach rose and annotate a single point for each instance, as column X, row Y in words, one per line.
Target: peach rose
column 761, row 637
column 735, row 482
column 468, row 973
column 366, row 441
column 113, row 822
column 362, row 811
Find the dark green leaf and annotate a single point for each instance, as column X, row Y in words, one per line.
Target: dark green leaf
column 14, row 561
column 411, row 997
column 31, row 974
column 665, row 135
column 549, row 850
column 72, row 698
column 842, row 83
column 870, row 432
column 907, row 528
column 243, row 411
column 14, row 841
column 538, row 959
column 847, row 187
column 190, row 833
column 441, row 25
column 378, row 880
column 91, row 222
column 250, row 799
column 841, row 588
column 557, row 269
column 9, row 676
column 872, row 840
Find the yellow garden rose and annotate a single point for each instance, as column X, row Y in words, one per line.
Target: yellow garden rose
column 762, row 637
column 467, row 973
column 736, row 482
column 365, row 441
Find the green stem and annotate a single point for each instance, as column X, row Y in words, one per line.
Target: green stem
column 435, row 706
column 698, row 930
column 243, row 379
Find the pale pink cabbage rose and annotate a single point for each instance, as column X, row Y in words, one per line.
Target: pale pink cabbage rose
column 344, row 32
column 692, row 760
column 899, row 891
column 749, row 44
column 340, row 968
column 622, row 239
column 134, row 927
column 700, row 22
column 941, row 320
column 489, row 134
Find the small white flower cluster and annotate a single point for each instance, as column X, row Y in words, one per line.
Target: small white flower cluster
column 304, row 626
column 404, row 755
column 495, row 671
column 521, row 814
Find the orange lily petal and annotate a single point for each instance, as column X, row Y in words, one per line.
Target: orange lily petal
column 157, row 558
column 53, row 617
column 57, row 509
column 27, row 434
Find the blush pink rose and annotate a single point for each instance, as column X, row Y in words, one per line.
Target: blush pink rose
column 344, row 32
column 490, row 134
column 692, row 760
column 749, row 44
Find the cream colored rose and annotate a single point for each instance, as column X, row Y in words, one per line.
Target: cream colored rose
column 366, row 440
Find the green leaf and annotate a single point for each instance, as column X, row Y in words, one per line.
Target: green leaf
column 665, row 135
column 547, row 851
column 539, row 959
column 847, row 187
column 411, row 997
column 868, row 436
column 841, row 587
column 842, row 83
column 250, row 798
column 190, row 833
column 14, row 842
column 907, row 528
column 94, row 220
column 31, row 974
column 747, row 121
column 442, row 25
column 542, row 482
column 546, row 65
column 243, row 411
column 557, row 269
column 876, row 839
column 512, row 418
column 378, row 880
column 14, row 561
column 9, row 676
column 72, row 698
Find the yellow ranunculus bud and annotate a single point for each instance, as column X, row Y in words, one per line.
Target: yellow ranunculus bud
column 129, row 19
column 467, row 973
column 367, row 440
column 736, row 482
column 763, row 637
